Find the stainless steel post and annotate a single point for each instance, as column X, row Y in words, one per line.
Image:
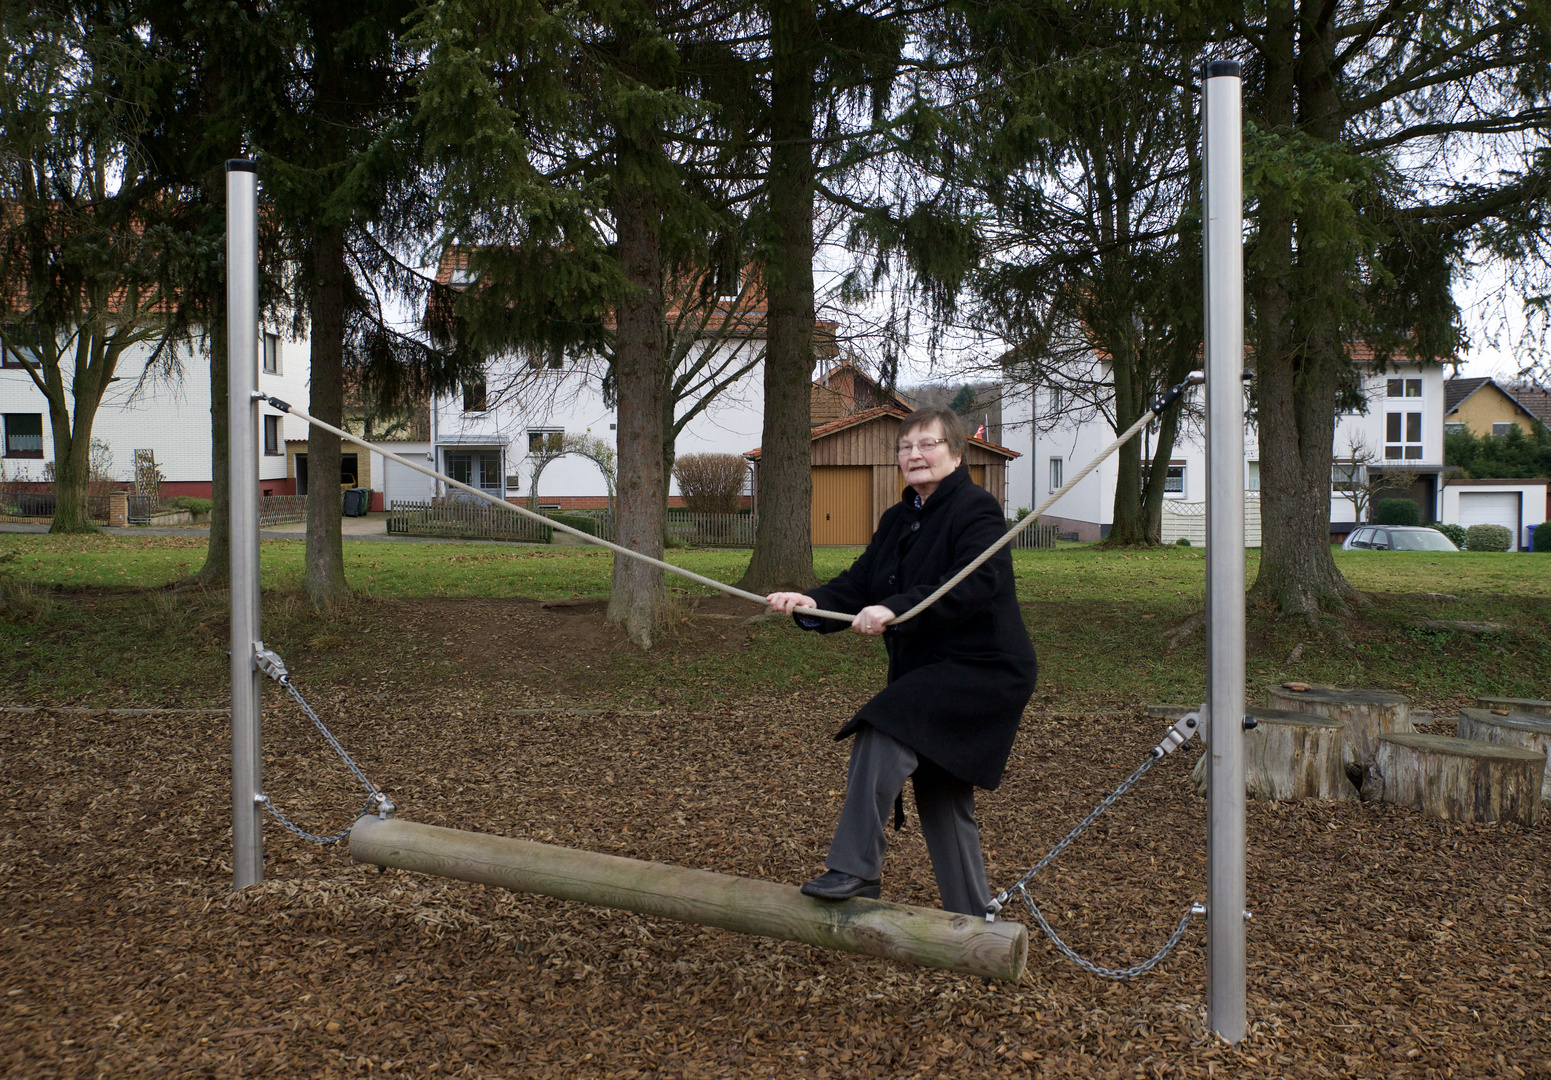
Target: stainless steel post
column 1223, row 209
column 242, row 413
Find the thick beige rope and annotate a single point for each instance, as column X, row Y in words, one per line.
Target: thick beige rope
column 840, row 616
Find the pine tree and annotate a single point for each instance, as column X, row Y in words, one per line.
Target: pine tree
column 1369, row 134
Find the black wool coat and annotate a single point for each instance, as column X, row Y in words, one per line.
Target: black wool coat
column 961, row 672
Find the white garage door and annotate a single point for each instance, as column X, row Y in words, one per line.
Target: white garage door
column 401, row 483
column 1491, row 508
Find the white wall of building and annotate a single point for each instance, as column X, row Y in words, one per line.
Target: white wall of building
column 1090, row 506
column 570, row 400
column 1514, row 504
column 168, row 415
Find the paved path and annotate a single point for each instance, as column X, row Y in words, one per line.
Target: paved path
column 370, row 527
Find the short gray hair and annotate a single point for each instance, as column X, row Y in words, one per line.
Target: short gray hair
column 952, row 427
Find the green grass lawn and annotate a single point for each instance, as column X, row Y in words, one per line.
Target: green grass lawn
column 86, row 620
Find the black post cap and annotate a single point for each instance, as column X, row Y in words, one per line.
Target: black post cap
column 239, row 164
column 1219, row 69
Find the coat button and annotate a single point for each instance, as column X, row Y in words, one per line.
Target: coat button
column 891, row 579
column 915, row 526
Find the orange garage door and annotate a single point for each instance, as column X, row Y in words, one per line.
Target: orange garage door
column 842, row 504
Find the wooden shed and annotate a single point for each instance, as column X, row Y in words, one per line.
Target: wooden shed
column 856, row 477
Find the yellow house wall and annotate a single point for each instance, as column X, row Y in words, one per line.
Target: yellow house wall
column 1485, row 407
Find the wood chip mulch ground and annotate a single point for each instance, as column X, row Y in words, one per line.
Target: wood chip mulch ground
column 1383, row 944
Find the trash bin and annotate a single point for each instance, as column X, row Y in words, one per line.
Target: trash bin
column 357, row 501
column 1529, row 537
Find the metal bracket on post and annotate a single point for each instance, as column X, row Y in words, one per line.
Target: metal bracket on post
column 269, row 663
column 1185, row 728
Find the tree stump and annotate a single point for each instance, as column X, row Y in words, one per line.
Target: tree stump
column 1290, row 756
column 1516, row 704
column 1528, row 731
column 1457, row 779
column 1366, row 714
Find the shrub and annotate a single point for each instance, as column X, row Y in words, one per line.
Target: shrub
column 711, row 483
column 581, row 522
column 1542, row 537
column 1397, row 512
column 1488, row 538
column 192, row 504
column 1456, row 533
column 1183, row 541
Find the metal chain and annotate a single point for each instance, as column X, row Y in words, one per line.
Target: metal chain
column 1082, row 827
column 271, row 664
column 1178, row 735
column 268, row 803
column 290, row 688
column 1112, row 973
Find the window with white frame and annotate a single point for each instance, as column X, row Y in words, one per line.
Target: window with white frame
column 1055, row 473
column 1403, row 388
column 474, row 397
column 545, row 440
column 1348, row 475
column 1403, row 436
column 269, row 346
column 24, row 435
column 1500, row 427
column 1252, row 476
column 1173, row 480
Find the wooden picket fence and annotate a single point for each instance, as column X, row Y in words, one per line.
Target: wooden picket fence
column 1035, row 536
column 465, row 519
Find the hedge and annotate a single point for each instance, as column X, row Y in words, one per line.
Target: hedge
column 1455, row 533
column 1488, row 538
column 1397, row 512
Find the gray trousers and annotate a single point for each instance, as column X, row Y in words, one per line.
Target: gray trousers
column 880, row 764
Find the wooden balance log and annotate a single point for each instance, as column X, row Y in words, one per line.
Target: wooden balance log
column 928, row 938
column 1364, row 714
column 1528, row 731
column 1457, row 779
column 1516, row 705
column 1290, row 756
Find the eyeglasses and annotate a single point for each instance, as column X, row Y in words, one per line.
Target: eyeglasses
column 926, row 446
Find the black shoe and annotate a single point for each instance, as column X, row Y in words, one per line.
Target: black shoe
column 837, row 885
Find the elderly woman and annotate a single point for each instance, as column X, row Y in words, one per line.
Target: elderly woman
column 960, row 673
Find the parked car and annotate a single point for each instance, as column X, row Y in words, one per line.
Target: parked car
column 1397, row 538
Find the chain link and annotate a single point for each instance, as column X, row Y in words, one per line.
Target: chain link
column 374, row 797
column 290, row 688
column 1021, row 887
column 1103, row 972
column 371, row 804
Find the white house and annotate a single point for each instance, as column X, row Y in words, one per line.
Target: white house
column 166, row 415
column 1400, row 435
column 493, row 431
column 490, row 435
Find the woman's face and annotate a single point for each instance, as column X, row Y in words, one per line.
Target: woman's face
column 924, row 457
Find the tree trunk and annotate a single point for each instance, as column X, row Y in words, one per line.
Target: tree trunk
column 638, row 594
column 325, row 557
column 929, row 937
column 1129, row 522
column 1157, row 477
column 218, row 553
column 71, row 473
column 73, row 440
column 1296, row 354
column 783, row 543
